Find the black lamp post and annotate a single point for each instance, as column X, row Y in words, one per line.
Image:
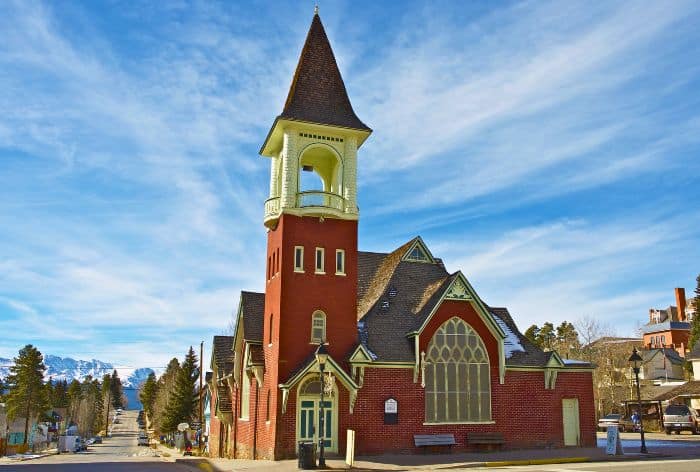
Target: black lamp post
column 636, row 361
column 321, row 357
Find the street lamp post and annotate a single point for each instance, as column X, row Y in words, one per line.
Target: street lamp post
column 636, row 361
column 321, row 357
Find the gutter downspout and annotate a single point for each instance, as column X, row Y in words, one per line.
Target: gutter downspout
column 235, row 419
column 255, row 422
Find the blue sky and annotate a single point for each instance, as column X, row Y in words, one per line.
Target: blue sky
column 549, row 150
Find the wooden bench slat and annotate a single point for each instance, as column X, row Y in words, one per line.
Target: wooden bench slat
column 423, row 440
column 485, row 438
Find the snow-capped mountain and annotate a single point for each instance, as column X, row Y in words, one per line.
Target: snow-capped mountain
column 65, row 368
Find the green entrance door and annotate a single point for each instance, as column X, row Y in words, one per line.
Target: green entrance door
column 309, row 423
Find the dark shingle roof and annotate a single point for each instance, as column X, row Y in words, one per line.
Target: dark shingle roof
column 398, row 297
column 318, row 93
column 688, row 389
column 223, row 399
column 253, row 307
column 532, row 355
column 671, row 354
column 223, row 354
column 395, row 297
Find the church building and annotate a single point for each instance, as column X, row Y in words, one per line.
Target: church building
column 412, row 348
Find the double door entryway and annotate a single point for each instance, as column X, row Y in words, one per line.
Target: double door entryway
column 308, row 417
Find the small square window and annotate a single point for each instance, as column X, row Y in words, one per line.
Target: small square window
column 340, row 262
column 298, row 258
column 320, row 263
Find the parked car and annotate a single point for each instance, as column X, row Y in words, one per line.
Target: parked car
column 97, row 440
column 616, row 419
column 681, row 418
column 143, row 439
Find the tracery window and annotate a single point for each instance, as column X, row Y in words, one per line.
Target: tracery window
column 457, row 379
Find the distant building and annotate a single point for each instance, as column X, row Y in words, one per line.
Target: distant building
column 670, row 327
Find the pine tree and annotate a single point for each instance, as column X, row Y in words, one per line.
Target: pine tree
column 183, row 402
column 59, row 398
column 148, row 392
column 116, row 390
column 27, row 394
column 106, row 399
column 165, row 387
column 533, row 334
column 2, row 390
column 695, row 324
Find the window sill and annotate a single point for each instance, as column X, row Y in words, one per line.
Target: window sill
column 459, row 422
column 299, row 271
column 244, row 419
column 342, row 274
column 319, row 273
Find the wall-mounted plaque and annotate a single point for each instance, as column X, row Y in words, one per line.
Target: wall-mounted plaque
column 391, row 411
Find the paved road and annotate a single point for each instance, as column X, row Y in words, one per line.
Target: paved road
column 116, row 454
column 627, row 466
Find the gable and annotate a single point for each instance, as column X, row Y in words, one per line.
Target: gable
column 418, row 252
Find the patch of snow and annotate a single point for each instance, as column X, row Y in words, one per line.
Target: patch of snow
column 574, row 362
column 512, row 343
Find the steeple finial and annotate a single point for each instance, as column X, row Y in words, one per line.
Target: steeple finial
column 316, row 10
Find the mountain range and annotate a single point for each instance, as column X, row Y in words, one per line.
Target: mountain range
column 66, row 368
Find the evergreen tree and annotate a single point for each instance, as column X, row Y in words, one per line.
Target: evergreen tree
column 27, row 394
column 695, row 324
column 116, row 390
column 533, row 333
column 2, row 390
column 164, row 388
column 147, row 395
column 183, row 401
column 59, row 398
column 74, row 397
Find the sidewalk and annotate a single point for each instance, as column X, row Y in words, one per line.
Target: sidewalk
column 411, row 462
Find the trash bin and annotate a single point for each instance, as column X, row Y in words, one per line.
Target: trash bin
column 307, row 455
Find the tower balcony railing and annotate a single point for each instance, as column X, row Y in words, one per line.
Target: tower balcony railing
column 272, row 206
column 317, row 198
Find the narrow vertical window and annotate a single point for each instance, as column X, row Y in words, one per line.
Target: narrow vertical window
column 339, row 262
column 245, row 397
column 320, row 264
column 269, row 267
column 269, row 336
column 267, row 407
column 318, row 327
column 278, row 261
column 298, row 258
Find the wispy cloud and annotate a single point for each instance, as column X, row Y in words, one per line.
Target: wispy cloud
column 131, row 192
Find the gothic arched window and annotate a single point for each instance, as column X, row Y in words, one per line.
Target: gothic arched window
column 318, row 327
column 457, row 378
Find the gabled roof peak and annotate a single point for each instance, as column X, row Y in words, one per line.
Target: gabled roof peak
column 317, row 93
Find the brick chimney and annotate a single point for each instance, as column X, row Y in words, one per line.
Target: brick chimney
column 680, row 303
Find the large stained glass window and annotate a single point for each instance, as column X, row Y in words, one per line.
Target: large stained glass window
column 457, row 379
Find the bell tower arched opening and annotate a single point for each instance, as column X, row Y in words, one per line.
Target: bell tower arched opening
column 320, row 178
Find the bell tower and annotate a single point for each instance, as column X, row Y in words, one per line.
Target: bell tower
column 311, row 214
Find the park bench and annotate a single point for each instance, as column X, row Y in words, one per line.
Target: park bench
column 430, row 440
column 486, row 439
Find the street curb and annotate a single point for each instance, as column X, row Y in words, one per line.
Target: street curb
column 559, row 460
column 198, row 464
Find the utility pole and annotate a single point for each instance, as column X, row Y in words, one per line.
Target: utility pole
column 201, row 409
column 109, row 400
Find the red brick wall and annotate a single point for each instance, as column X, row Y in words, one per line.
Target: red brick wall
column 302, row 294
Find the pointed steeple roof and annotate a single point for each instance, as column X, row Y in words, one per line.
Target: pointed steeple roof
column 318, row 93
